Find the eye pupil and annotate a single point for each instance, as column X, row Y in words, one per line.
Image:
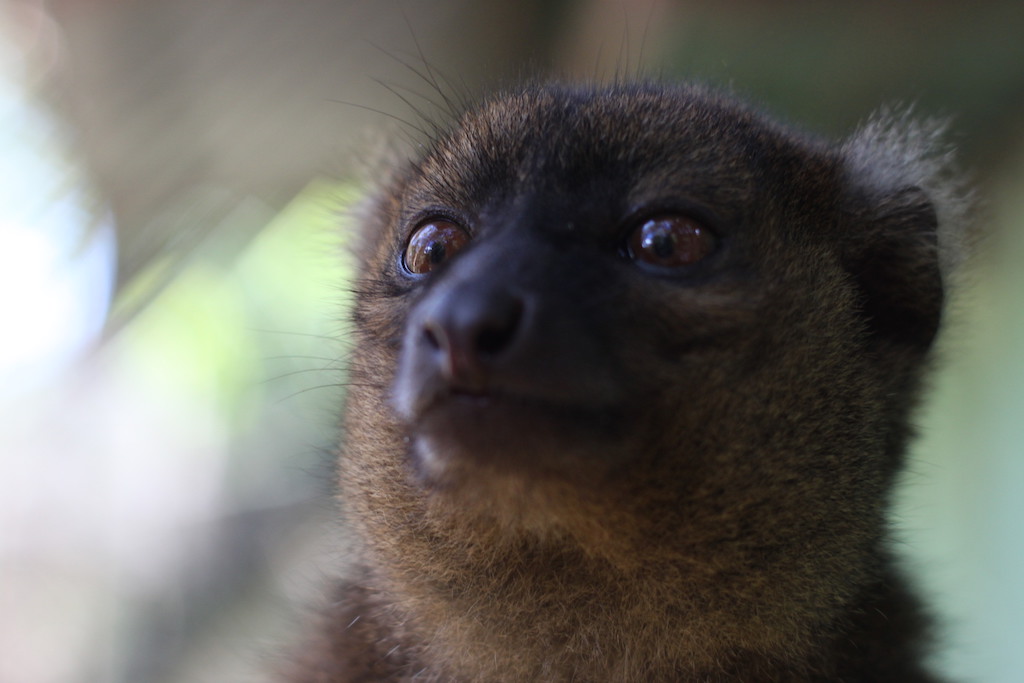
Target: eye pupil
column 662, row 244
column 433, row 243
column 435, row 253
column 670, row 242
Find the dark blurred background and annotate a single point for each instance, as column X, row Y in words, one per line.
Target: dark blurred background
column 174, row 186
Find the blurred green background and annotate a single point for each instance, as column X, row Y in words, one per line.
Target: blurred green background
column 175, row 184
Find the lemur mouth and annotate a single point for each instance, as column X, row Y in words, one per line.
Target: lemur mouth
column 506, row 430
column 424, row 396
column 495, row 412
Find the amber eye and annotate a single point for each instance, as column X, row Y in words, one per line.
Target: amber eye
column 670, row 242
column 433, row 243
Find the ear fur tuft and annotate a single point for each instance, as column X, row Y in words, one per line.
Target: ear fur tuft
column 893, row 152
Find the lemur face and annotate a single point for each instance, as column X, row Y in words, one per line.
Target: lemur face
column 585, row 286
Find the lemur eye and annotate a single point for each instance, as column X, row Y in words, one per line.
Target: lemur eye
column 432, row 243
column 670, row 241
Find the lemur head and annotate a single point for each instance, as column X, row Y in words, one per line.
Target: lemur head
column 650, row 311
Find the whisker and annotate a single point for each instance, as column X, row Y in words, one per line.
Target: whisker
column 404, row 122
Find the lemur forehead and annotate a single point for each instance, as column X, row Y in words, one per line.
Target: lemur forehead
column 600, row 117
column 584, row 130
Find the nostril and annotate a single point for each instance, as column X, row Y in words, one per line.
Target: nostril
column 499, row 329
column 431, row 336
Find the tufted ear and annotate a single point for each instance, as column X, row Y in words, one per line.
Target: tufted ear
column 893, row 255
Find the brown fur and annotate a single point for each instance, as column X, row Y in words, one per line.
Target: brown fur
column 671, row 476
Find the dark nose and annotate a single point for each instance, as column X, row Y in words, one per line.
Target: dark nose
column 469, row 330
